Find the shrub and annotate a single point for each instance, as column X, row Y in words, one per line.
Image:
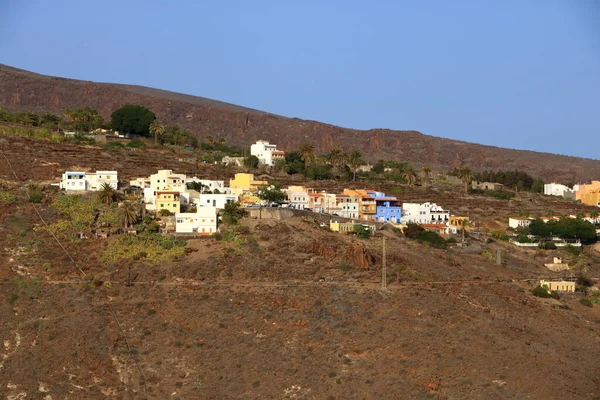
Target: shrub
column 36, row 197
column 547, row 245
column 586, row 302
column 344, row 266
column 572, row 250
column 539, row 291
column 136, row 144
column 412, row 231
column 164, row 213
column 12, row 298
column 113, row 146
column 583, row 280
column 6, row 197
column 432, row 239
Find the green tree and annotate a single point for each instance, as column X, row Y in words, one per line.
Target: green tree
column 233, row 212
column 538, row 227
column 307, row 153
column 251, row 162
column 84, row 119
column 355, row 160
column 379, row 167
column 410, row 175
column 133, row 119
column 271, row 194
column 157, row 130
column 466, row 175
column 426, row 175
column 128, row 214
column 107, row 195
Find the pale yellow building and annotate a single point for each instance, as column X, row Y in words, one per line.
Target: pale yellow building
column 585, row 189
column 343, row 227
column 457, row 222
column 558, row 286
column 168, row 200
column 243, row 183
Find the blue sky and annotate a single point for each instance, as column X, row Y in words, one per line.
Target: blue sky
column 517, row 74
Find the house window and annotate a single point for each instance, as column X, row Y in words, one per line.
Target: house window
column 162, row 205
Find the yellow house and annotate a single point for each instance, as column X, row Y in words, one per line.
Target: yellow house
column 168, row 200
column 343, row 227
column 587, row 188
column 458, row 221
column 244, row 183
column 559, row 286
column 591, row 198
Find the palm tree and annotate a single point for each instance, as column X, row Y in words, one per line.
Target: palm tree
column 156, row 129
column 128, row 214
column 466, row 175
column 464, row 223
column 307, row 152
column 410, row 175
column 107, row 195
column 426, row 174
column 355, row 160
column 594, row 216
column 335, row 156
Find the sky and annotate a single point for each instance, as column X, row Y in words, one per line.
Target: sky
column 520, row 74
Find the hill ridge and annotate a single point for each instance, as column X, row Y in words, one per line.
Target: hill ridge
column 22, row 90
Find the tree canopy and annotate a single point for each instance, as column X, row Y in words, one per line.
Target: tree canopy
column 132, row 119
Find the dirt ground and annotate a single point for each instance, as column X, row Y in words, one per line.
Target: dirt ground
column 288, row 310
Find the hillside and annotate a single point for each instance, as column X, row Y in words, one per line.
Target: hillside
column 26, row 91
column 278, row 310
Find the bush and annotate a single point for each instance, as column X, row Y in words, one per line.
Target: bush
column 432, row 239
column 541, row 292
column 500, row 235
column 113, row 146
column 572, row 250
column 7, row 197
column 586, row 302
column 412, row 231
column 35, row 197
column 547, row 245
column 164, row 213
column 136, row 144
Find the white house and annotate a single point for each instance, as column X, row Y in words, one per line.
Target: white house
column 519, row 222
column 202, row 222
column 347, row 205
column 73, row 180
column 79, row 180
column 556, row 189
column 96, row 180
column 165, row 179
column 215, row 200
column 266, row 153
column 426, row 213
column 209, row 184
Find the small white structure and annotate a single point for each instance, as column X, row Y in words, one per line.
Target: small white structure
column 202, row 222
column 519, row 222
column 426, row 213
column 79, row 180
column 266, row 153
column 208, row 184
column 140, row 182
column 298, row 200
column 557, row 265
column 215, row 200
column 556, row 189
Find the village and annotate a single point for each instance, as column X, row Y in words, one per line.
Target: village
column 192, row 206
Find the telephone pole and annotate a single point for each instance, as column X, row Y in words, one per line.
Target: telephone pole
column 383, row 268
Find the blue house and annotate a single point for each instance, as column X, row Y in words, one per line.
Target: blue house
column 387, row 207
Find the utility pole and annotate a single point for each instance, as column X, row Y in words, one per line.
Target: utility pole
column 383, row 268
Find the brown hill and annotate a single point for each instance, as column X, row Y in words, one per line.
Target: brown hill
column 26, row 91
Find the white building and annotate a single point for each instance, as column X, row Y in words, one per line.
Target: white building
column 165, row 179
column 73, row 180
column 519, row 222
column 347, row 205
column 96, row 180
column 79, row 180
column 215, row 200
column 208, row 184
column 556, row 189
column 202, row 222
column 266, row 153
column 426, row 213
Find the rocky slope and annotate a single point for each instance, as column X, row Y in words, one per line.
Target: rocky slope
column 25, row 91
